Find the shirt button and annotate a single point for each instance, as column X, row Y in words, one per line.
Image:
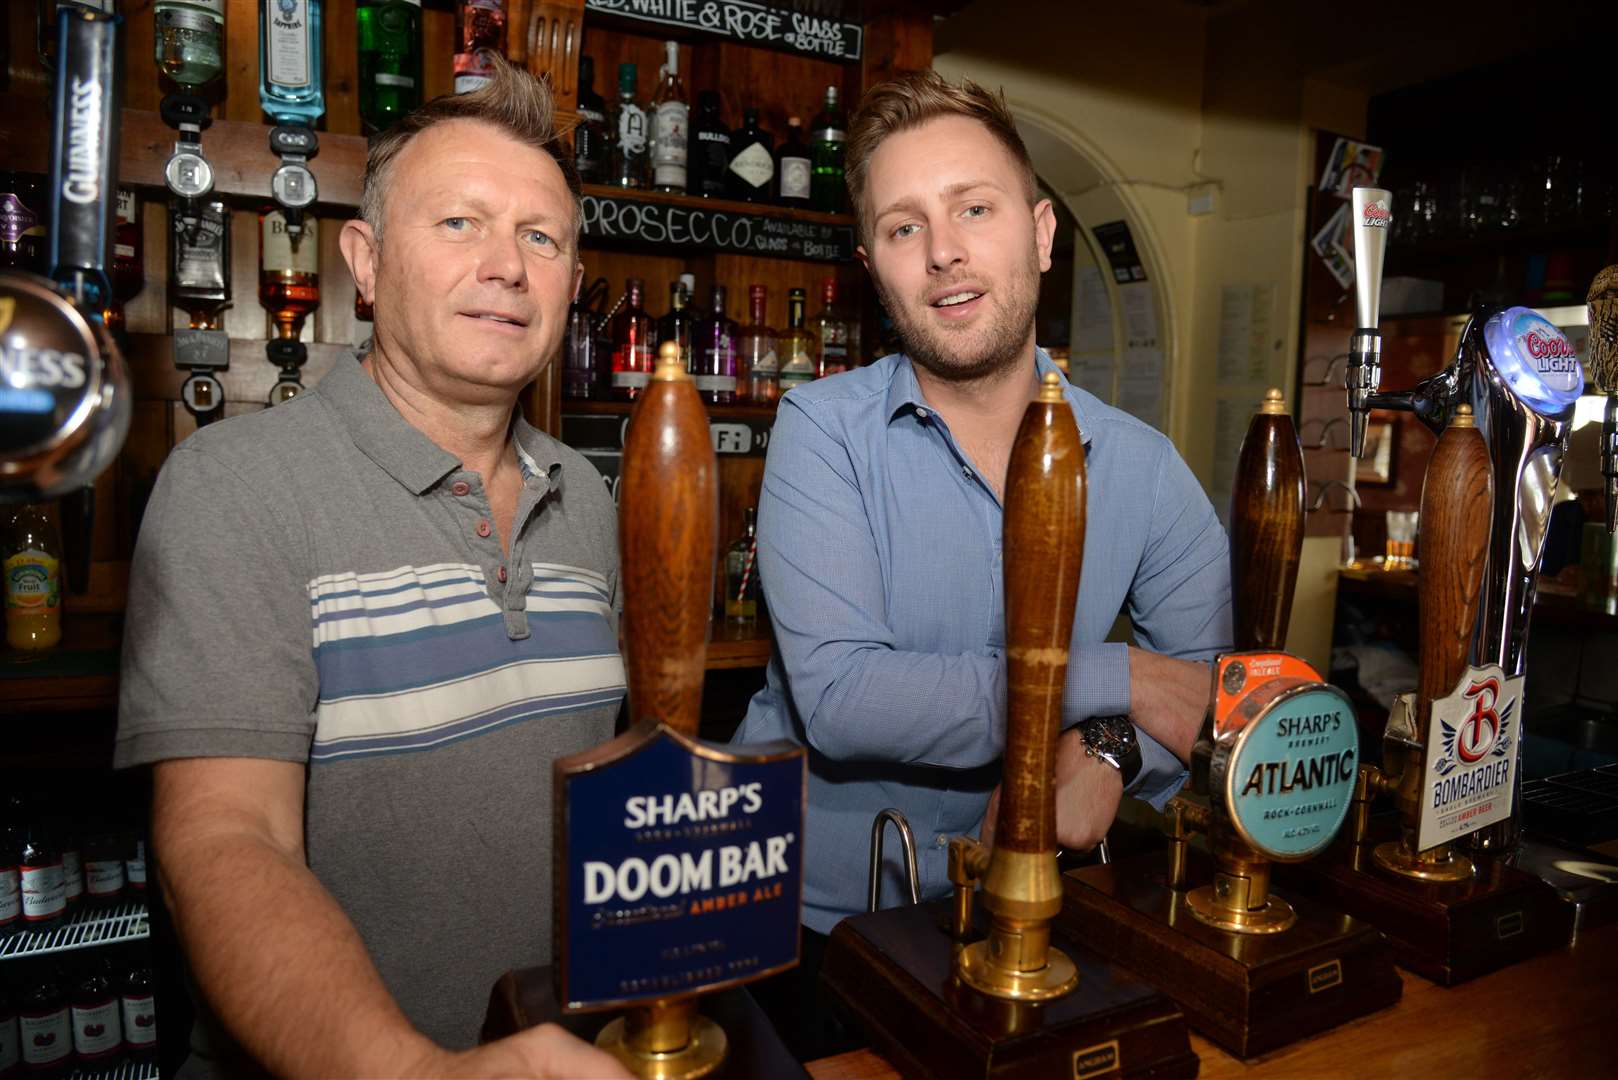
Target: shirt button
column 941, row 840
column 460, row 487
column 921, row 414
column 966, row 471
column 483, row 527
column 502, row 575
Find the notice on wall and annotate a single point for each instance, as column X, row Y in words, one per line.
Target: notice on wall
column 1231, row 417
column 1092, row 312
column 738, row 20
column 1247, row 336
column 608, row 217
column 1140, row 317
column 1119, row 245
column 1140, row 386
column 1095, row 372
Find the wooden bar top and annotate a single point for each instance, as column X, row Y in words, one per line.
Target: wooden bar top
column 1555, row 1015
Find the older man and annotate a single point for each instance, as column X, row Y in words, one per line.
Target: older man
column 362, row 623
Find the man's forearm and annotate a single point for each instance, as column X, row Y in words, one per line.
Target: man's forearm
column 280, row 964
column 1168, row 699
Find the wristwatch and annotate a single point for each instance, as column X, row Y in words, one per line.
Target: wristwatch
column 1112, row 739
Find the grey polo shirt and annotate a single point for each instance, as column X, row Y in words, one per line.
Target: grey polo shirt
column 321, row 583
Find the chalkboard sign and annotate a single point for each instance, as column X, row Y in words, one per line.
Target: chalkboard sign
column 612, row 218
column 755, row 24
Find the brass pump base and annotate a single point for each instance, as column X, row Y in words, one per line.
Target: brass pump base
column 978, row 968
column 637, row 1045
column 1206, row 904
column 1439, row 864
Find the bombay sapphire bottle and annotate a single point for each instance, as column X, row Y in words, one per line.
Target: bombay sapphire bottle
column 289, row 85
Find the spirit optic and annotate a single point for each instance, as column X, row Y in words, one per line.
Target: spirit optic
column 289, row 272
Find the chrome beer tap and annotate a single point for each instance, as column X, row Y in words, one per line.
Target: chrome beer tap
column 1522, row 378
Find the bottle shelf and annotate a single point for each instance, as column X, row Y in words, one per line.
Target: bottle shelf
column 106, row 926
column 124, row 1070
column 586, row 407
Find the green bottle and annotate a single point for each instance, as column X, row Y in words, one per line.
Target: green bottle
column 827, row 190
column 389, row 33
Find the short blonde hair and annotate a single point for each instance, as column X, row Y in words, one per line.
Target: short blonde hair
column 911, row 100
column 514, row 101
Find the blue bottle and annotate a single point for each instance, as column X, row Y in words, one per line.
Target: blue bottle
column 289, row 86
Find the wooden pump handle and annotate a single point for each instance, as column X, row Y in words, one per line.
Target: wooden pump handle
column 1266, row 527
column 1043, row 555
column 1457, row 503
column 668, row 521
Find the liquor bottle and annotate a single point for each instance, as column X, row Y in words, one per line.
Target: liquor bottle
column 289, row 86
column 10, row 1040
column 97, row 1029
column 671, row 121
column 741, row 573
column 389, row 33
column 135, row 869
column 676, row 325
column 137, row 1007
column 630, row 160
column 592, row 150
column 714, row 357
column 44, row 891
column 43, row 1024
column 826, row 138
column 832, row 329
column 187, row 41
column 632, row 345
column 289, row 272
column 480, row 36
column 33, row 581
column 757, row 367
column 23, row 221
column 582, row 359
column 796, row 168
column 103, row 867
column 127, row 274
column 752, row 164
column 797, row 346
column 710, row 149
column 199, row 261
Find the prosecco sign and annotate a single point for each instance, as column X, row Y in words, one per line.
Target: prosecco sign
column 610, row 218
column 755, row 24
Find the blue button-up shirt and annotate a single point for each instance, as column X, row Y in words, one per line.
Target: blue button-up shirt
column 879, row 555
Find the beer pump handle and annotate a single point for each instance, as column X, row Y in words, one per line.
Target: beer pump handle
column 1601, row 365
column 667, row 527
column 1457, row 497
column 1266, row 527
column 1044, row 551
column 1372, row 209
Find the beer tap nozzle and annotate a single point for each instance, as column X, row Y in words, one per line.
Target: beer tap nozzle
column 1373, row 214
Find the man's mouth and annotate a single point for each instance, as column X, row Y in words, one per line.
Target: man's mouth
column 496, row 317
column 956, row 298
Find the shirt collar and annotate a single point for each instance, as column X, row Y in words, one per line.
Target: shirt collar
column 904, row 393
column 399, row 448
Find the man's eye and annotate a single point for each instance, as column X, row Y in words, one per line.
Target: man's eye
column 454, row 224
column 976, row 211
column 903, row 231
column 540, row 239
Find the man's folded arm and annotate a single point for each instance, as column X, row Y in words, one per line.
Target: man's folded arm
column 859, row 697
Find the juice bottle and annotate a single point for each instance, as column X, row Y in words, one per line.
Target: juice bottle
column 33, row 581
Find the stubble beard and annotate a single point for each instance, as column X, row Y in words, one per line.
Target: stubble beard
column 972, row 354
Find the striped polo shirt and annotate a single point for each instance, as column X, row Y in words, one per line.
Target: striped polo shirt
column 320, row 583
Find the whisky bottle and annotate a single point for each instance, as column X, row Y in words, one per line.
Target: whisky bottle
column 710, row 149
column 480, row 35
column 630, row 159
column 389, row 33
column 829, row 193
column 714, row 359
column 187, row 40
column 741, row 573
column 671, row 120
column 592, row 150
column 832, row 329
column 752, row 163
column 289, row 272
column 632, row 344
column 796, row 346
column 127, row 275
column 289, row 85
column 795, row 168
column 199, row 261
column 758, row 372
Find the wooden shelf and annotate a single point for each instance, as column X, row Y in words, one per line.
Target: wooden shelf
column 81, row 673
column 581, row 407
column 739, row 645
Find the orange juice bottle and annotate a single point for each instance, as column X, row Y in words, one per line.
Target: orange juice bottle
column 33, row 581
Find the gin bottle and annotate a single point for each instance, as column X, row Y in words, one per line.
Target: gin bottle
column 629, row 134
column 591, row 148
column 389, row 33
column 828, row 135
column 289, row 86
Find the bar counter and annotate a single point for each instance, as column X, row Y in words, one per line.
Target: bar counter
column 1555, row 1015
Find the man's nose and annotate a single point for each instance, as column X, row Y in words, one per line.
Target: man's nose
column 500, row 260
column 944, row 246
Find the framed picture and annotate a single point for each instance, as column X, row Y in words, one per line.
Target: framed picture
column 1376, row 467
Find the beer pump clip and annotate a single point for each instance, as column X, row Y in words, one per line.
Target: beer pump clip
column 64, row 398
column 1521, row 378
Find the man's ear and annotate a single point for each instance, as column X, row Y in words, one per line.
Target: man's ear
column 578, row 278
column 363, row 255
column 1044, row 232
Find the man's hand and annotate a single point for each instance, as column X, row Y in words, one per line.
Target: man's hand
column 1087, row 794
column 1168, row 699
column 544, row 1052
